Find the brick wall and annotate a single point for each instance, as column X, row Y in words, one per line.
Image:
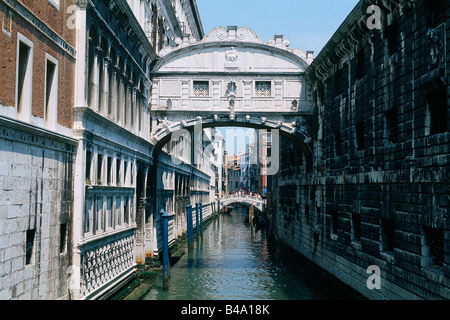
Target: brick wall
column 56, row 20
column 36, row 170
column 378, row 194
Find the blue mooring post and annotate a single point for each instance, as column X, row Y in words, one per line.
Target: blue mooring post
column 201, row 217
column 197, row 226
column 190, row 227
column 165, row 232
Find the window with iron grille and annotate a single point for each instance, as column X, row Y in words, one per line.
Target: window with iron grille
column 263, row 88
column 387, row 235
column 334, row 222
column 434, row 243
column 392, row 125
column 201, row 88
column 436, row 12
column 437, row 111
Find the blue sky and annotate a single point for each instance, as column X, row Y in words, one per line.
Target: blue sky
column 308, row 24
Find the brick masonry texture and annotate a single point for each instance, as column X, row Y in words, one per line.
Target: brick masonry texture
column 36, row 166
column 56, row 20
column 378, row 156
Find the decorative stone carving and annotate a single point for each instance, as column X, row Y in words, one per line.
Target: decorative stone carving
column 169, row 104
column 435, row 45
column 247, row 118
column 233, row 33
column 216, row 118
column 231, row 89
column 263, row 120
column 232, row 55
column 300, row 126
column 104, row 261
column 164, row 125
column 232, row 116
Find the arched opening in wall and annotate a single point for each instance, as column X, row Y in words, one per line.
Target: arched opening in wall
column 132, row 85
column 248, row 158
column 127, row 96
column 141, row 200
column 140, row 106
column 102, row 67
column 92, row 72
column 120, row 90
column 112, row 91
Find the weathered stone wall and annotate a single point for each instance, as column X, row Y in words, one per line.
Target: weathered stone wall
column 378, row 192
column 36, row 183
column 36, row 148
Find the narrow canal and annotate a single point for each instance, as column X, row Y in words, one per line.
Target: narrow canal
column 233, row 261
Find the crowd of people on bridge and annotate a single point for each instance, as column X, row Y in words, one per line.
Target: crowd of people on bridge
column 243, row 193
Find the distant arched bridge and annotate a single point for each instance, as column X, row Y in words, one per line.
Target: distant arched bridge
column 256, row 201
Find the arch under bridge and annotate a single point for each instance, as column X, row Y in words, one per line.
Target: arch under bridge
column 232, row 78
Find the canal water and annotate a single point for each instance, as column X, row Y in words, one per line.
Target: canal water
column 232, row 261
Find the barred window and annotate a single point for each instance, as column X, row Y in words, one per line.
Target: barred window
column 434, row 248
column 263, row 89
column 436, row 12
column 201, row 88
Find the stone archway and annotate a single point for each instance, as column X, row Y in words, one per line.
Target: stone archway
column 297, row 130
column 232, row 78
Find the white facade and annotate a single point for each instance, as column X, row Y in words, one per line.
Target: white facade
column 231, row 77
column 118, row 190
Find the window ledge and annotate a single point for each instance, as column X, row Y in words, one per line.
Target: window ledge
column 388, row 256
column 433, row 274
column 356, row 245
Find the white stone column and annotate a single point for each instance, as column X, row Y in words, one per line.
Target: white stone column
column 216, row 94
column 248, row 94
column 121, row 99
column 80, row 95
column 185, row 94
column 278, row 94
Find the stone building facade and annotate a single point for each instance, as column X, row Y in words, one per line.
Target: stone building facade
column 99, row 87
column 36, row 148
column 76, row 176
column 376, row 197
column 116, row 206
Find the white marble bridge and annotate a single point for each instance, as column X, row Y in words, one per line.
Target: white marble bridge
column 256, row 201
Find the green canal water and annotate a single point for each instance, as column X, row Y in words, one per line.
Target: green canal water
column 233, row 261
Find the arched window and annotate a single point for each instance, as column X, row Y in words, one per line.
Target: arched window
column 103, row 76
column 120, row 91
column 141, row 106
column 127, row 96
column 133, row 107
column 112, row 91
column 92, row 72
